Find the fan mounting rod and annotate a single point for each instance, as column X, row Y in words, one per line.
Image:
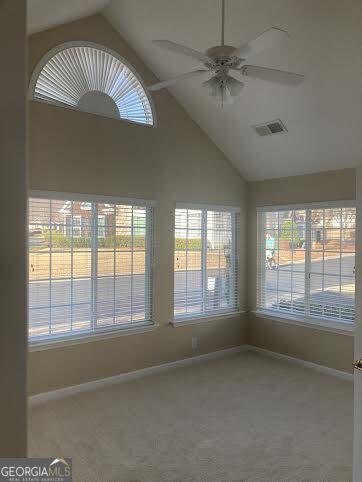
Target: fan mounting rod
column 222, row 22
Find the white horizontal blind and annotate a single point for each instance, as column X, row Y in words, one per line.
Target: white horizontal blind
column 78, row 69
column 89, row 266
column 306, row 261
column 206, row 262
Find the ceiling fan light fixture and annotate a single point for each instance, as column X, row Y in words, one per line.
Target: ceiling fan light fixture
column 222, row 95
column 223, row 88
column 235, row 86
column 211, row 85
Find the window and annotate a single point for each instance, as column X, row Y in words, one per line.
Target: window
column 91, row 78
column 89, row 265
column 206, row 261
column 306, row 261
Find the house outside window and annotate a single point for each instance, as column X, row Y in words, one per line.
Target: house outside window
column 102, row 227
column 77, row 227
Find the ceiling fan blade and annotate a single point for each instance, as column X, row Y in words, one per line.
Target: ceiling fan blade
column 268, row 39
column 180, row 49
column 173, row 80
column 271, row 75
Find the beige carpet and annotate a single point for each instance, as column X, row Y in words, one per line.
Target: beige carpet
column 242, row 418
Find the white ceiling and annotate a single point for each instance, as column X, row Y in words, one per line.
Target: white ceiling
column 44, row 14
column 323, row 115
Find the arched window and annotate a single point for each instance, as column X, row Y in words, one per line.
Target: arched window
column 91, row 78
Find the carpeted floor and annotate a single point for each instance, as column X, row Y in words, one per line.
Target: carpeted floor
column 242, row 418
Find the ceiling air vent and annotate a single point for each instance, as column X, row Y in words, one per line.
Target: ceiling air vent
column 271, row 127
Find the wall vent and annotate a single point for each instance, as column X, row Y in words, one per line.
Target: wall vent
column 271, row 127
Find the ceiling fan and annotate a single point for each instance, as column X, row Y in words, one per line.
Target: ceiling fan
column 222, row 59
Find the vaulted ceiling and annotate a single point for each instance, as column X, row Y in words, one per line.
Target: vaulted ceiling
column 323, row 115
column 44, row 14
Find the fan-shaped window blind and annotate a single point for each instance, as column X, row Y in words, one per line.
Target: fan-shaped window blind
column 91, row 78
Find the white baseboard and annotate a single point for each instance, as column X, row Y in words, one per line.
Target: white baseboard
column 143, row 372
column 304, row 363
column 123, row 377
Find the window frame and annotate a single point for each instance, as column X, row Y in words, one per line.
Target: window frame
column 306, row 319
column 206, row 315
column 86, row 335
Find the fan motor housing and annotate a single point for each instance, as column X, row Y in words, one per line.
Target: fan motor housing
column 222, row 56
column 220, row 51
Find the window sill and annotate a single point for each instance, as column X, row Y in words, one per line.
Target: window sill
column 88, row 338
column 176, row 323
column 343, row 328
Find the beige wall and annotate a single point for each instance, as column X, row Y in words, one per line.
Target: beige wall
column 79, row 152
column 13, row 428
column 329, row 349
column 80, row 363
column 357, row 444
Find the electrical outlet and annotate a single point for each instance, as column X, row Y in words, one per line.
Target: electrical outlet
column 195, row 342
